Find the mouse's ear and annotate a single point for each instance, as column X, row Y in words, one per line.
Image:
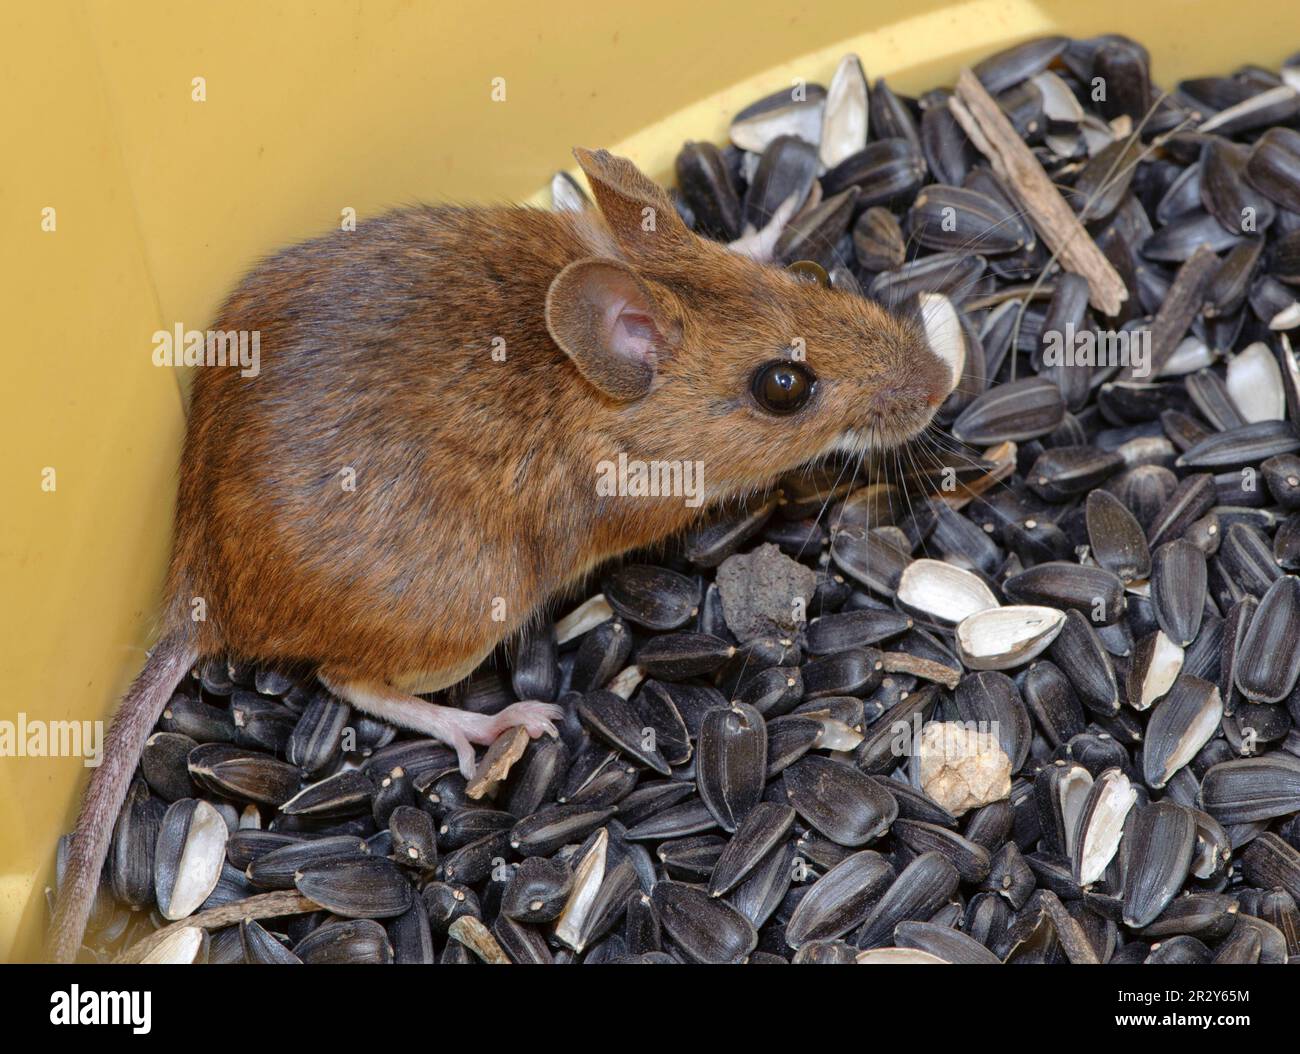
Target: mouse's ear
column 611, row 325
column 635, row 207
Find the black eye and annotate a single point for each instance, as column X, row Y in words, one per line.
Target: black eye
column 808, row 271
column 783, row 387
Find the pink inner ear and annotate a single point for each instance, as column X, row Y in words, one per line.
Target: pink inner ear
column 630, row 333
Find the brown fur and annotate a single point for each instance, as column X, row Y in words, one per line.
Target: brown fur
column 476, row 479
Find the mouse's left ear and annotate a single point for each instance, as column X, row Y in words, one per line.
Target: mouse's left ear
column 636, row 209
column 611, row 325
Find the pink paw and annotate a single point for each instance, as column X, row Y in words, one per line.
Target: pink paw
column 464, row 755
column 537, row 718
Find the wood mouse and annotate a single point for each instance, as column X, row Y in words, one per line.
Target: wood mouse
column 412, row 473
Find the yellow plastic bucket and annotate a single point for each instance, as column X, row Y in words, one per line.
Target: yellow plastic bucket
column 156, row 150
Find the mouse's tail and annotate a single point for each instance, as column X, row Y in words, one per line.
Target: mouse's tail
column 168, row 663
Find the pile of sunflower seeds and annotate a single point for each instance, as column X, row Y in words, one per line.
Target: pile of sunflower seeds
column 1024, row 693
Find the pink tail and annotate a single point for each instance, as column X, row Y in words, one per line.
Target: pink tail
column 135, row 718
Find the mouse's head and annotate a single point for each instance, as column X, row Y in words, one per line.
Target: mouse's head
column 703, row 353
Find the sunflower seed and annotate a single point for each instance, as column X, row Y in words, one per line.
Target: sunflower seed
column 759, row 833
column 991, row 698
column 840, row 900
column 1020, row 62
column 243, row 774
column 1245, row 445
column 1252, row 789
column 131, row 852
column 786, row 112
column 346, row 792
column 708, row 192
column 731, row 763
column 917, row 893
column 1116, row 537
column 839, row 801
column 705, row 929
column 317, row 738
column 844, row 121
column 188, row 856
column 971, row 860
column 360, row 887
column 1272, row 165
column 1100, row 825
column 615, row 720
column 1001, row 638
column 1156, row 856
column 1078, row 652
column 1271, row 863
column 838, row 632
column 1267, row 663
column 1183, row 722
column 956, row 219
column 1178, row 579
column 1094, row 591
column 878, row 243
column 940, row 591
column 1011, row 412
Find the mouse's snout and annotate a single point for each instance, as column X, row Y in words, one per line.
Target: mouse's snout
column 917, row 391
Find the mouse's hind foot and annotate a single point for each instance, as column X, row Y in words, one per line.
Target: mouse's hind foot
column 459, row 729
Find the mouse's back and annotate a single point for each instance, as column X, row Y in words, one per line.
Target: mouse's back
column 407, row 401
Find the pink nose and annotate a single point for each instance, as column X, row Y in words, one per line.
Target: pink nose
column 939, row 383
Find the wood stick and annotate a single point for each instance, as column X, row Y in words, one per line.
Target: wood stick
column 993, row 136
column 926, row 669
column 260, row 906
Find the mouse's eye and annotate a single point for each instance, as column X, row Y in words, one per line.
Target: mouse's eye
column 782, row 387
column 808, row 271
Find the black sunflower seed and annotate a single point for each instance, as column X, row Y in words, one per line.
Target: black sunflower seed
column 840, row 900
column 762, row 829
column 838, row 800
column 1157, row 854
column 706, row 929
column 1116, row 536
column 653, row 597
column 731, row 763
column 917, row 893
column 354, row 888
column 1178, row 580
column 1267, row 663
column 1094, row 591
column 243, row 774
column 1012, row 412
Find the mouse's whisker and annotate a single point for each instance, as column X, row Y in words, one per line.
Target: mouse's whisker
column 830, row 494
column 943, row 444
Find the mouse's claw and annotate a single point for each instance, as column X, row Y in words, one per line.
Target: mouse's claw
column 538, row 718
column 465, row 759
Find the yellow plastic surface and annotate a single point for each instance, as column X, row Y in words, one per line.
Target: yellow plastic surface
column 161, row 202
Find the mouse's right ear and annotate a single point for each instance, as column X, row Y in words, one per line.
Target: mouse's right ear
column 635, row 207
column 611, row 325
